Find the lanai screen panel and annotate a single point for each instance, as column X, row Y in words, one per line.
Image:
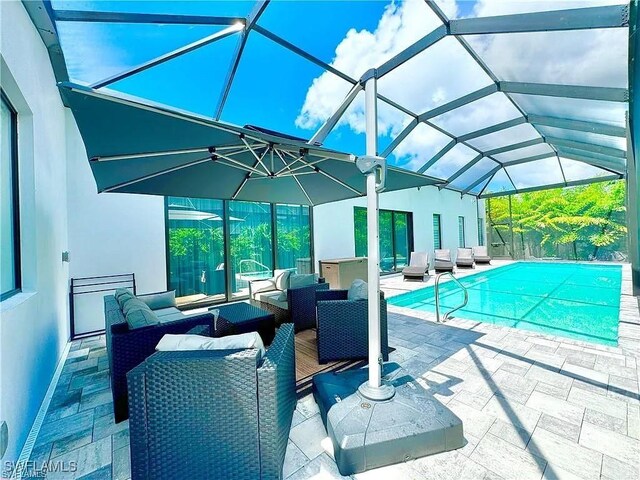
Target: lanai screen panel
column 476, row 94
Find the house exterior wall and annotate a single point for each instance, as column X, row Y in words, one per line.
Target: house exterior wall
column 333, row 224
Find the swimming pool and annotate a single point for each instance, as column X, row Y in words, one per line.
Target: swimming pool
column 579, row 301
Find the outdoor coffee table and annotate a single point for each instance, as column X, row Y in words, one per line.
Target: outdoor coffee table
column 242, row 317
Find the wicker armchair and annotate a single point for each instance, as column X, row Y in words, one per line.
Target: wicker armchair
column 213, row 413
column 342, row 327
column 126, row 348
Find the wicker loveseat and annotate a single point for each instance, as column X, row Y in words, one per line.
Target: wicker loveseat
column 208, row 414
column 343, row 326
column 127, row 348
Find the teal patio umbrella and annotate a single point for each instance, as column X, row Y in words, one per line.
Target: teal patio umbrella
column 138, row 147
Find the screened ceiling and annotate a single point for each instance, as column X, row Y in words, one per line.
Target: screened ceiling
column 491, row 97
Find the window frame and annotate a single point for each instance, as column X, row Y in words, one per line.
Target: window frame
column 439, row 217
column 462, row 240
column 481, row 231
column 15, row 193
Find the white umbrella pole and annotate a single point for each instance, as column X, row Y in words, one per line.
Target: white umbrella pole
column 374, row 388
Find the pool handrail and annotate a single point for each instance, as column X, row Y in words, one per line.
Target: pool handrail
column 437, row 294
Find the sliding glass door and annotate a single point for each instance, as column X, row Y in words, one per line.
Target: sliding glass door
column 195, row 249
column 396, row 238
column 250, row 244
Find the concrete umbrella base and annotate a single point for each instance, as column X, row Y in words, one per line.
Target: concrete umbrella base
column 368, row 434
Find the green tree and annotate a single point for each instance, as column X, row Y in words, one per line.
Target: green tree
column 577, row 222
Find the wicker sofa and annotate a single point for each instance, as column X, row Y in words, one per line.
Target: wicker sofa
column 127, row 348
column 343, row 326
column 289, row 304
column 213, row 414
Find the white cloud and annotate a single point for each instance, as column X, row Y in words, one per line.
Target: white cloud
column 400, row 26
column 445, row 72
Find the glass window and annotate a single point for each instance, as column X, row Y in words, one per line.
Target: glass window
column 293, row 238
column 480, row 231
column 196, row 248
column 251, row 244
column 396, row 237
column 437, row 232
column 461, row 232
column 9, row 216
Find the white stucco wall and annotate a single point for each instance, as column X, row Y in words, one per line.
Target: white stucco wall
column 333, row 223
column 34, row 323
column 112, row 233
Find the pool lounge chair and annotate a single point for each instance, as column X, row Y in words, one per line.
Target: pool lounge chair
column 442, row 261
column 464, row 258
column 481, row 255
column 418, row 266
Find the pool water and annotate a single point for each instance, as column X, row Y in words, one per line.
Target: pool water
column 579, row 301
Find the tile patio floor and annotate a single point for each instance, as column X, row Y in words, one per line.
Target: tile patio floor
column 533, row 406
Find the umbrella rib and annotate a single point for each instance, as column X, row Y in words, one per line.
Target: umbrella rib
column 236, row 164
column 307, row 164
column 303, row 190
column 295, row 178
column 296, row 174
column 131, row 156
column 246, row 179
column 157, row 174
column 286, row 165
column 259, row 159
column 339, row 182
column 237, row 192
column 299, row 159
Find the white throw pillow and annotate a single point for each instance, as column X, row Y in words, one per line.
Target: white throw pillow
column 282, row 278
column 175, row 343
column 359, row 290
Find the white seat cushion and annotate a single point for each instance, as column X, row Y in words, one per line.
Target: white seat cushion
column 174, row 343
column 273, row 298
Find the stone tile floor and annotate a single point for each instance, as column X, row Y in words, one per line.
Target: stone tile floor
column 533, row 406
